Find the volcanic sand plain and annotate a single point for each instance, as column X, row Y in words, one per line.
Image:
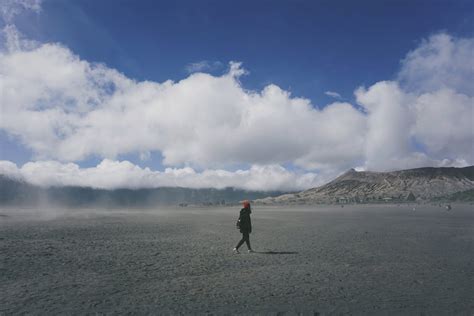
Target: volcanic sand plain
column 376, row 259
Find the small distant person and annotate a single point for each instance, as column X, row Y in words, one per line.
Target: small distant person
column 244, row 224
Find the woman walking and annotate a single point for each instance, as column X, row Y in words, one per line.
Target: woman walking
column 245, row 225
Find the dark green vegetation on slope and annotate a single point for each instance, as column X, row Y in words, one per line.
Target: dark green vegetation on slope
column 463, row 196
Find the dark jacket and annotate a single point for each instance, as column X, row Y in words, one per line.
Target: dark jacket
column 245, row 222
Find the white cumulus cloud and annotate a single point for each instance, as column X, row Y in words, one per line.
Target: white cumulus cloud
column 123, row 174
column 66, row 109
column 441, row 61
column 425, row 118
column 72, row 109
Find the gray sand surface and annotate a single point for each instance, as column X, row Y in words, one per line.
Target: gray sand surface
column 326, row 260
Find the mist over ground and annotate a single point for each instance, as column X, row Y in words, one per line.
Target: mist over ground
column 16, row 193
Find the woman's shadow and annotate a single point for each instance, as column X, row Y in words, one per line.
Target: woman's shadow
column 277, row 252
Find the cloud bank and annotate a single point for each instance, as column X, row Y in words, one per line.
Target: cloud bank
column 66, row 109
column 113, row 174
column 425, row 118
column 72, row 109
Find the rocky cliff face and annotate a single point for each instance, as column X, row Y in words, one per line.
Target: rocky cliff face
column 397, row 186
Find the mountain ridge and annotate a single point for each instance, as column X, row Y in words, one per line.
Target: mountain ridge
column 424, row 184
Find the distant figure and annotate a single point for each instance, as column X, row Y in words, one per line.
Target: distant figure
column 448, row 207
column 244, row 224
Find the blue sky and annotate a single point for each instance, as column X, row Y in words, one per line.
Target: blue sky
column 306, row 48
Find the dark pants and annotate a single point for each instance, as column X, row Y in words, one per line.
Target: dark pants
column 246, row 238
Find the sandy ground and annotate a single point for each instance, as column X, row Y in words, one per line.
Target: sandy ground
column 313, row 260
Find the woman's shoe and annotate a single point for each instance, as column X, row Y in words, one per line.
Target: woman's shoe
column 236, row 251
column 250, row 251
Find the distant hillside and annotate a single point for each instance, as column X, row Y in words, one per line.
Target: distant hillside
column 463, row 196
column 397, row 186
column 15, row 192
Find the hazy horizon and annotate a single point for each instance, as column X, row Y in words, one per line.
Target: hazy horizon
column 135, row 181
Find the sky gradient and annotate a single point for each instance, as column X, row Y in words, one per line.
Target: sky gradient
column 258, row 95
